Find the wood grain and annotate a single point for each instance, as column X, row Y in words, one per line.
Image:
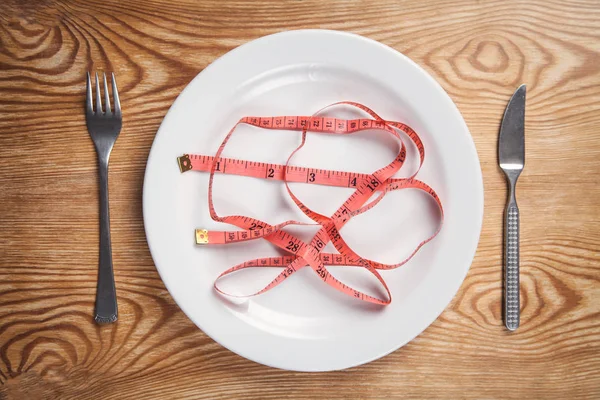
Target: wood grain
column 478, row 51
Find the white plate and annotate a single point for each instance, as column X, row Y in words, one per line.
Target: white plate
column 303, row 324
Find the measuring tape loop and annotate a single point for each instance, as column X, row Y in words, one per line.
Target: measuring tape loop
column 379, row 183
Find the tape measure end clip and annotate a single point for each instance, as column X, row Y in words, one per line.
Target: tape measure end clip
column 184, row 163
column 201, row 236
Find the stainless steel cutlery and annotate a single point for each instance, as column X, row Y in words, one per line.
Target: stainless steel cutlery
column 104, row 126
column 511, row 156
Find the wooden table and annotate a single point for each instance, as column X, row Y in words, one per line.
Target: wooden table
column 478, row 51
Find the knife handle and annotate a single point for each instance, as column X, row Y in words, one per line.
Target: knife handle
column 511, row 266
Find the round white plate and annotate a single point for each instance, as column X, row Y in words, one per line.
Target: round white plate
column 304, row 324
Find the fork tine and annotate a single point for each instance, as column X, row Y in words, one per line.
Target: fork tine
column 98, row 101
column 116, row 96
column 106, row 99
column 88, row 95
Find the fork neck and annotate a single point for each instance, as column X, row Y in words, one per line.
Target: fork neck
column 103, row 145
column 103, row 157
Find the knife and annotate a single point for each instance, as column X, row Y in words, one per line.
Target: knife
column 511, row 156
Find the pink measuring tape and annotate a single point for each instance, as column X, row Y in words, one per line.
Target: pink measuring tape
column 311, row 253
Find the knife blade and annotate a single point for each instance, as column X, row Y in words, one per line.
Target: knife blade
column 511, row 148
column 511, row 157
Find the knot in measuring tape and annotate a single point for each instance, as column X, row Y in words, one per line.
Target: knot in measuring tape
column 311, row 253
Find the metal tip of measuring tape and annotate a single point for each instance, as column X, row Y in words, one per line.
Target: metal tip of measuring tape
column 201, row 236
column 184, row 163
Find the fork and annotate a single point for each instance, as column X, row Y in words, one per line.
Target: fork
column 104, row 127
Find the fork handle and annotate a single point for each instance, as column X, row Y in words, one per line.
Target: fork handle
column 106, row 296
column 511, row 264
